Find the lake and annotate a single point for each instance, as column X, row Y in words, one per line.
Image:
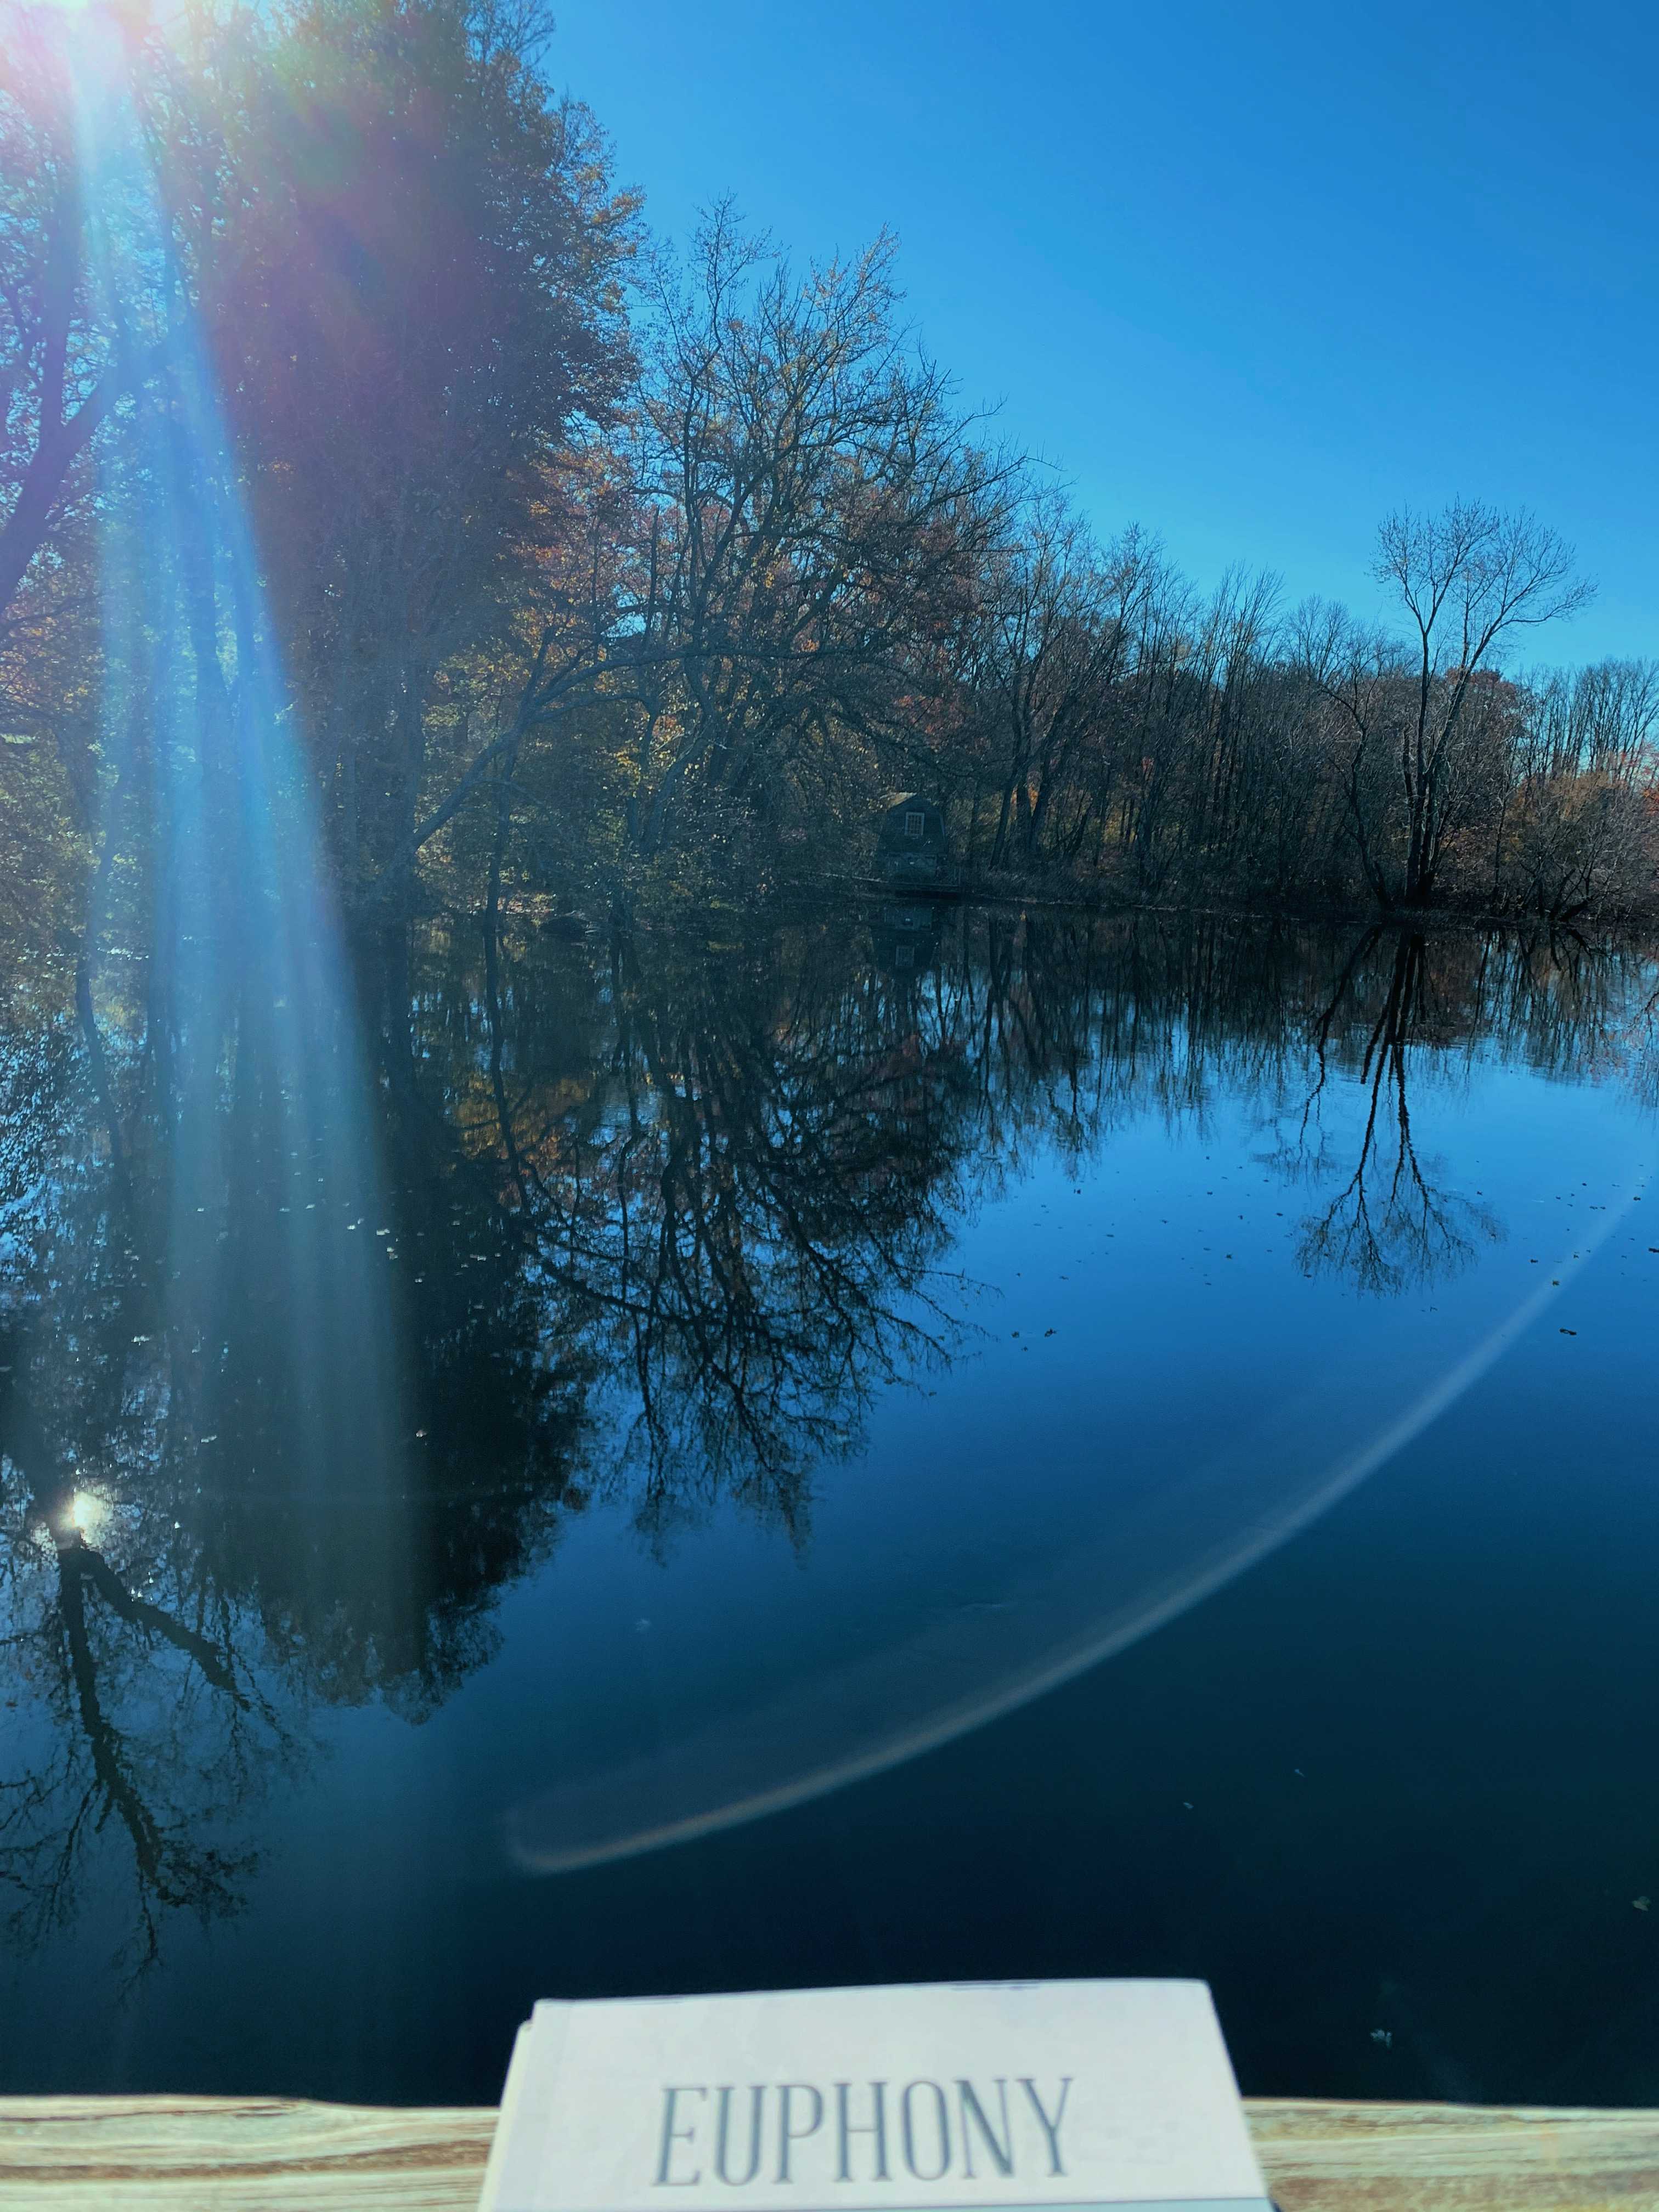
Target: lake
column 929, row 1442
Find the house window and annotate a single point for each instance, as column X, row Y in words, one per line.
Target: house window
column 915, row 824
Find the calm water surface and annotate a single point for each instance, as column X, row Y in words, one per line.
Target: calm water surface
column 927, row 1443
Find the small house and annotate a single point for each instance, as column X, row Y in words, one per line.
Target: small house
column 910, row 842
column 906, row 938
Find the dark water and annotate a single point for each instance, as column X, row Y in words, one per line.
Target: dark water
column 928, row 1443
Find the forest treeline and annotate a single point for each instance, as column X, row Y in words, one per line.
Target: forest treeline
column 352, row 419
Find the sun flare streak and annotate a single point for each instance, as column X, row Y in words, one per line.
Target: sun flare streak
column 208, row 786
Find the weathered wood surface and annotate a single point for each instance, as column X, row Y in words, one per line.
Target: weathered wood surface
column 272, row 2155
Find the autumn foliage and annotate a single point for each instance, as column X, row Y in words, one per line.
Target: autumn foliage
column 348, row 410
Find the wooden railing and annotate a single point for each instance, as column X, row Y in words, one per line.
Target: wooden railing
column 275, row 2154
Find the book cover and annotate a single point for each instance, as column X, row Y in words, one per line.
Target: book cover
column 950, row 2095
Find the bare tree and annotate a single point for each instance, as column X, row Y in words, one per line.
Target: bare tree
column 809, row 501
column 1061, row 617
column 1467, row 578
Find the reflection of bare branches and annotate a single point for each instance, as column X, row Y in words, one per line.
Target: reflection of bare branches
column 744, row 1228
column 159, row 1740
column 171, row 1869
column 666, row 1219
column 1387, row 1225
column 79, row 1564
column 150, row 1778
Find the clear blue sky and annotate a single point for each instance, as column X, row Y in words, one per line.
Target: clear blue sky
column 1251, row 274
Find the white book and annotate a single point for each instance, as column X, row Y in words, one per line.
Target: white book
column 987, row 2094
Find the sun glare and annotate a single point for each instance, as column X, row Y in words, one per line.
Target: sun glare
column 90, row 1514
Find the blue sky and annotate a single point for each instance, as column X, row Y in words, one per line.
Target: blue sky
column 1249, row 274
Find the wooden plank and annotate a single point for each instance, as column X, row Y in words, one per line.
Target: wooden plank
column 275, row 2154
column 1455, row 2158
column 237, row 2154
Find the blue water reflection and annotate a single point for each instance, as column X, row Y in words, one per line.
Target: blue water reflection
column 744, row 1365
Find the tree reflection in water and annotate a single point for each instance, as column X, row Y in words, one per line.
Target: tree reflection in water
column 658, row 1215
column 1388, row 1223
